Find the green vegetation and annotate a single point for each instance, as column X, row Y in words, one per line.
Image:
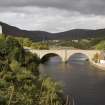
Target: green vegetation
column 20, row 80
column 78, row 44
column 73, row 44
column 101, row 45
column 29, row 43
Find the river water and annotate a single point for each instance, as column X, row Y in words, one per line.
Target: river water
column 80, row 80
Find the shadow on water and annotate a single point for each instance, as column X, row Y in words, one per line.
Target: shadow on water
column 79, row 79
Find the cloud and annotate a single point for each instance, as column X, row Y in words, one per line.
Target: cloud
column 50, row 19
column 82, row 6
column 53, row 15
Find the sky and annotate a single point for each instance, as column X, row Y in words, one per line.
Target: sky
column 53, row 15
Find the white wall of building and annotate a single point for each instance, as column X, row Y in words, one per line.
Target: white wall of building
column 0, row 29
column 102, row 61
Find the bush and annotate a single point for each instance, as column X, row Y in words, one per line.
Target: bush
column 19, row 78
column 96, row 58
column 101, row 46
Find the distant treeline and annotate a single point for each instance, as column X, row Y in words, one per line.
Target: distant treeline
column 32, row 44
column 78, row 44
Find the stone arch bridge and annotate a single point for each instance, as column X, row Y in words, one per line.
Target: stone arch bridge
column 64, row 54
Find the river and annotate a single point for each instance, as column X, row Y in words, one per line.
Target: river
column 80, row 80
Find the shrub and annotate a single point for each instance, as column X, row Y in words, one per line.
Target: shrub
column 96, row 58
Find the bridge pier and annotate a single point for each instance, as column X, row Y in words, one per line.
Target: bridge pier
column 64, row 60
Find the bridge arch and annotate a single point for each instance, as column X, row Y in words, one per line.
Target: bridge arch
column 89, row 53
column 47, row 57
column 78, row 56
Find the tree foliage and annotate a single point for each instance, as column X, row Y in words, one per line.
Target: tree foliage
column 101, row 45
column 29, row 43
column 20, row 82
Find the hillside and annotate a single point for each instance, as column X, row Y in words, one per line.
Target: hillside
column 14, row 31
column 42, row 35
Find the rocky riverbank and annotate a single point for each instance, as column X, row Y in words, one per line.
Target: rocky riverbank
column 98, row 65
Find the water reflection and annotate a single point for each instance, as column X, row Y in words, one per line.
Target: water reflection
column 84, row 82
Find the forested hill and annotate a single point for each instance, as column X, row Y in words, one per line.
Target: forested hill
column 14, row 31
column 80, row 34
column 42, row 35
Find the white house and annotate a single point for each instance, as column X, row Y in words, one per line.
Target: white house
column 0, row 29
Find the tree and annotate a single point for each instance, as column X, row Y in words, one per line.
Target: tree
column 101, row 45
